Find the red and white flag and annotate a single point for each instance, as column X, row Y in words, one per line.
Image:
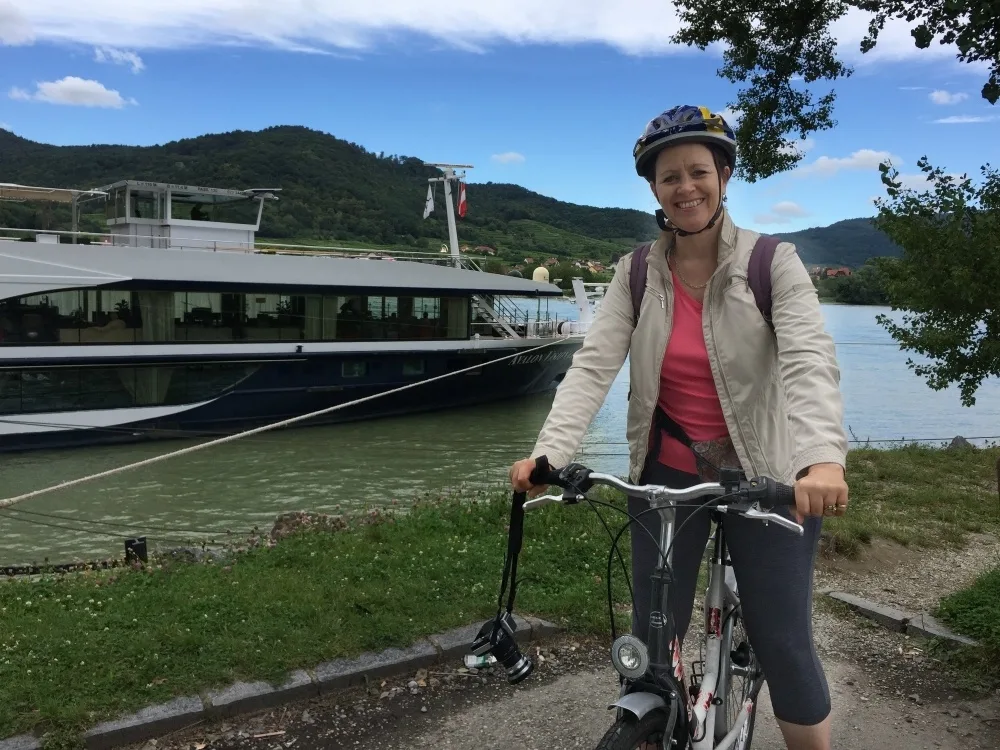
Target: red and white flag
column 462, row 205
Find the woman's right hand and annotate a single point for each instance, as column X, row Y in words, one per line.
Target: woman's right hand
column 520, row 478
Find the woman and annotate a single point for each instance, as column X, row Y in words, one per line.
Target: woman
column 702, row 358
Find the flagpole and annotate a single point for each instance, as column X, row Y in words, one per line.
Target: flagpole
column 449, row 175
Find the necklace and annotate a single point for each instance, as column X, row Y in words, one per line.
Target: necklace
column 677, row 270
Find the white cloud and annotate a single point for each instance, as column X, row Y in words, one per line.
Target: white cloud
column 770, row 219
column 119, row 57
column 826, row 166
column 732, row 116
column 308, row 25
column 508, row 157
column 74, row 91
column 918, row 181
column 894, row 41
column 788, row 208
column 802, row 146
column 945, row 97
column 14, row 25
column 5, row 126
column 781, row 213
column 912, row 88
column 965, row 119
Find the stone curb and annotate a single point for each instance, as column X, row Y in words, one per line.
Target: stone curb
column 920, row 624
column 153, row 722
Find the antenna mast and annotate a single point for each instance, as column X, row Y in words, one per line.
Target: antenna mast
column 450, row 173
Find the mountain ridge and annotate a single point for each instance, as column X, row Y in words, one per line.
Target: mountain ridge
column 335, row 190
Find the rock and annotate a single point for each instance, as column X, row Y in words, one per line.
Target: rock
column 960, row 442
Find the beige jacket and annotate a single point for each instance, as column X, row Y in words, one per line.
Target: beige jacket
column 780, row 392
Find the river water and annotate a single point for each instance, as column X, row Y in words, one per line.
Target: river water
column 248, row 482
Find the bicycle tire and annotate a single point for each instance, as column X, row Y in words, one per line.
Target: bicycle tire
column 627, row 732
column 734, row 634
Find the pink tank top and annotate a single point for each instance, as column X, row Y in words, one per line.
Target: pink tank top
column 687, row 388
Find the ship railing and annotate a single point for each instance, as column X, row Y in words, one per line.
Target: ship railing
column 216, row 245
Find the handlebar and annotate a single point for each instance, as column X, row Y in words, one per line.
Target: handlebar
column 752, row 498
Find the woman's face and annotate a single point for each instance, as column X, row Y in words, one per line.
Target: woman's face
column 686, row 185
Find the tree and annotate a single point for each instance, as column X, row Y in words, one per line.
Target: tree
column 946, row 281
column 863, row 287
column 771, row 43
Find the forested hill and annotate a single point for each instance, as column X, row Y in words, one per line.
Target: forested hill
column 845, row 243
column 334, row 190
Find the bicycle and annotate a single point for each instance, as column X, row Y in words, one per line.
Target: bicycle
column 658, row 704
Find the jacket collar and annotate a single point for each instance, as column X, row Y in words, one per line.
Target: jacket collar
column 657, row 257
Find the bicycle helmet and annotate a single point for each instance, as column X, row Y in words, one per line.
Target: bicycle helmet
column 683, row 124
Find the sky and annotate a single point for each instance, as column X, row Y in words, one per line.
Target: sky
column 548, row 95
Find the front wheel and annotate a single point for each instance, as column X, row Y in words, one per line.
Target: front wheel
column 629, row 733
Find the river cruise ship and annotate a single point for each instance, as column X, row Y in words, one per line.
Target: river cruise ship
column 177, row 322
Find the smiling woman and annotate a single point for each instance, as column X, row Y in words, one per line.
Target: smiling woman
column 716, row 385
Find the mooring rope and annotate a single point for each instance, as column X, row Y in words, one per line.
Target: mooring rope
column 7, row 502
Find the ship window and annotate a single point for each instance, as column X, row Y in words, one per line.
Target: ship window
column 114, row 206
column 61, row 389
column 120, row 316
column 145, row 204
column 354, row 369
column 413, row 367
column 51, row 318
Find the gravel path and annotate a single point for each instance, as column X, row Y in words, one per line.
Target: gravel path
column 887, row 692
column 911, row 579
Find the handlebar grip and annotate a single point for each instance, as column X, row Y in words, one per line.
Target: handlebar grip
column 543, row 473
column 771, row 494
column 784, row 494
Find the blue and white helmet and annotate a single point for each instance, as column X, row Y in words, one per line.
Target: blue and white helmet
column 683, row 124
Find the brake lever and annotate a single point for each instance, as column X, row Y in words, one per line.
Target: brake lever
column 569, row 498
column 787, row 523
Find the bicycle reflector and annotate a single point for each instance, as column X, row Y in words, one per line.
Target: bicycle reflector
column 630, row 656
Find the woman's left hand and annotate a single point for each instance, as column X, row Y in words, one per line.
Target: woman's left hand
column 822, row 491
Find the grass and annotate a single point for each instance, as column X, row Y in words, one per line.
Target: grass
column 916, row 495
column 77, row 649
column 975, row 612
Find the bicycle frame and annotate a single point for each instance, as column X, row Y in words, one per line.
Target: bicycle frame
column 660, row 654
column 665, row 653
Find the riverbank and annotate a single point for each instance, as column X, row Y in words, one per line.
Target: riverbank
column 79, row 649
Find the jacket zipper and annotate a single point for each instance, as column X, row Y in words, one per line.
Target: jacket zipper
column 721, row 377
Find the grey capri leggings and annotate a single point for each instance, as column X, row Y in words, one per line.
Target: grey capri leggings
column 774, row 573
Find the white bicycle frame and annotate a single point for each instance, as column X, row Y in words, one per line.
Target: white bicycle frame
column 702, row 710
column 721, row 598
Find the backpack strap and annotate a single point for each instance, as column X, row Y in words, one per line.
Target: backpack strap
column 637, row 278
column 759, row 274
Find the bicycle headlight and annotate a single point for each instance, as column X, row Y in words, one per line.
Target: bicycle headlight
column 630, row 656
